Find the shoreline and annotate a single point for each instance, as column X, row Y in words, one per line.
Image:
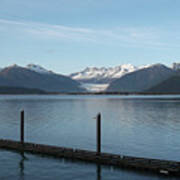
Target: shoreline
column 96, row 93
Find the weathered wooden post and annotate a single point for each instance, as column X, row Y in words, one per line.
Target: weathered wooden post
column 98, row 133
column 22, row 127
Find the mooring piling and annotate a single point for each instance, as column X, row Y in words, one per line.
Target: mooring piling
column 22, row 127
column 98, row 133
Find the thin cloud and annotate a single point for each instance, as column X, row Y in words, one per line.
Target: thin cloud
column 133, row 37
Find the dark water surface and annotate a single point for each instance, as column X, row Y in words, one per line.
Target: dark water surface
column 131, row 125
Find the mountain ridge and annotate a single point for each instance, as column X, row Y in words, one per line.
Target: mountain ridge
column 17, row 76
column 123, row 78
column 140, row 80
column 105, row 75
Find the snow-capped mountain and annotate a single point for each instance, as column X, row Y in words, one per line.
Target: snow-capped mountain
column 141, row 79
column 32, row 67
column 38, row 69
column 123, row 78
column 103, row 75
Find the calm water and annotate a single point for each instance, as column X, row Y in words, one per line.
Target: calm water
column 137, row 126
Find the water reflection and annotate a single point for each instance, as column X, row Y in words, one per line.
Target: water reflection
column 21, row 164
column 45, row 167
column 98, row 172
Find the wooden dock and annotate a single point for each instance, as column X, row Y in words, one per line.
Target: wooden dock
column 143, row 164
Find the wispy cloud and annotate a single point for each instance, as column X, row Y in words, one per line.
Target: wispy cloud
column 51, row 31
column 122, row 36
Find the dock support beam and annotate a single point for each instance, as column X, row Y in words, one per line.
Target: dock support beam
column 98, row 133
column 22, row 127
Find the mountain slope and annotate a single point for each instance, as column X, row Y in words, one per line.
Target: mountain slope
column 142, row 79
column 171, row 85
column 16, row 76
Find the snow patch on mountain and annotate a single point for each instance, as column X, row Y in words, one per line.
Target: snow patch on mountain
column 103, row 73
column 38, row 69
column 145, row 66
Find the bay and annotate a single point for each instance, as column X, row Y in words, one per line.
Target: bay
column 143, row 126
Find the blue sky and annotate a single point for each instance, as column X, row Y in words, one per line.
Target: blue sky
column 69, row 35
